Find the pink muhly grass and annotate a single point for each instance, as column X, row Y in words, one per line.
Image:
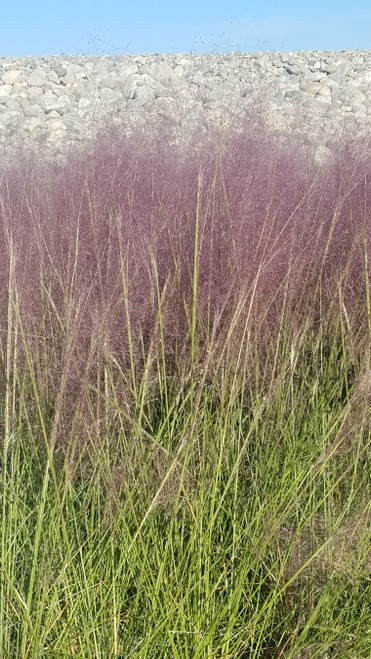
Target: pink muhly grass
column 105, row 251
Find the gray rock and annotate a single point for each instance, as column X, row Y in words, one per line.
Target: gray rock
column 143, row 94
column 312, row 88
column 12, row 76
column 294, row 94
column 341, row 71
column 6, row 90
column 37, row 78
column 60, row 71
column 32, row 110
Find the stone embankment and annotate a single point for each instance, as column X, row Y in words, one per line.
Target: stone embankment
column 54, row 102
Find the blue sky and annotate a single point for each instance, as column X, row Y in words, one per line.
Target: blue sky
column 48, row 27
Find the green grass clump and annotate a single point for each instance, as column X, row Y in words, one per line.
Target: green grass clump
column 186, row 396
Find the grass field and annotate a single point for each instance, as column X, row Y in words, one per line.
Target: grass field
column 185, row 359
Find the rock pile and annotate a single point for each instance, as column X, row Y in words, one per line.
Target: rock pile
column 52, row 103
